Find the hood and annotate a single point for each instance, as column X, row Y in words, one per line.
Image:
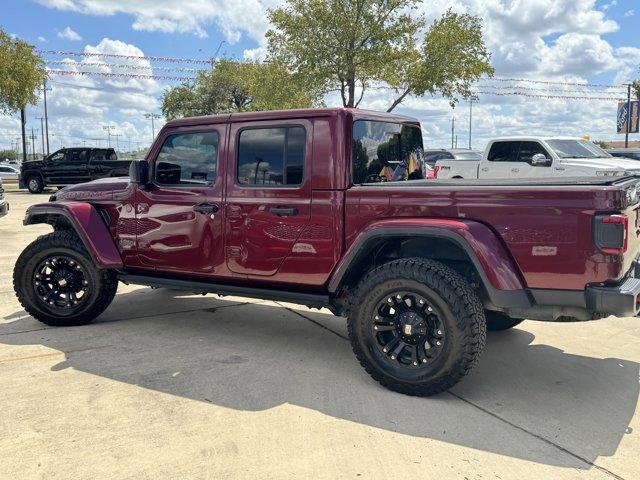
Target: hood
column 605, row 163
column 102, row 189
column 31, row 164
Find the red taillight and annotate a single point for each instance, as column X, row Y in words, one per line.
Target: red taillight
column 612, row 233
column 436, row 169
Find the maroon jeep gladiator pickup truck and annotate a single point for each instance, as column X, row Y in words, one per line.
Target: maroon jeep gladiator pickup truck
column 330, row 208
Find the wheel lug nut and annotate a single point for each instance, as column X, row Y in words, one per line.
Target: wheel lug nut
column 390, row 300
column 439, row 332
column 430, row 309
column 393, row 357
column 424, row 360
column 415, row 363
column 377, row 317
column 375, row 328
column 421, row 302
column 385, row 350
column 438, row 343
column 398, row 297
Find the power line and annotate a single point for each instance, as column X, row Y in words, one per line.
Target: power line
column 120, row 75
column 550, row 82
column 544, row 89
column 564, row 97
column 130, row 57
column 71, row 63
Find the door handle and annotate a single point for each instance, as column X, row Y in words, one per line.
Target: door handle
column 485, row 169
column 284, row 211
column 206, row 208
column 515, row 170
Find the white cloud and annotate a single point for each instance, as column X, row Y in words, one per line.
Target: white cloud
column 42, row 39
column 69, row 34
column 169, row 16
column 629, row 13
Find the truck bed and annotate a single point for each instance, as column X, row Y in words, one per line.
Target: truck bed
column 511, row 182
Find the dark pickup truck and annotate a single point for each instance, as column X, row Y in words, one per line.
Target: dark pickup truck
column 69, row 166
column 276, row 205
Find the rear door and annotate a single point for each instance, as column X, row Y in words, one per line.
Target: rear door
column 502, row 161
column 268, row 198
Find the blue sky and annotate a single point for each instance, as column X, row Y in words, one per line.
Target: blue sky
column 568, row 41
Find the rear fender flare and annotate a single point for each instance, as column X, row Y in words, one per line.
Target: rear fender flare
column 87, row 223
column 498, row 273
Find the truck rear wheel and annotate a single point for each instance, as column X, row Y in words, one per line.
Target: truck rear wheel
column 416, row 326
column 497, row 321
column 58, row 284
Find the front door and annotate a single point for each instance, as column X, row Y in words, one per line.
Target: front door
column 525, row 169
column 268, row 194
column 179, row 216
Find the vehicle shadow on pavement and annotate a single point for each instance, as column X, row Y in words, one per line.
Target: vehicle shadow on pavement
column 253, row 357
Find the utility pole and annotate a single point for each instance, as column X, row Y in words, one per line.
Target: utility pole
column 152, row 116
column 453, row 130
column 42, row 134
column 626, row 133
column 470, row 119
column 46, row 116
column 33, row 144
column 117, row 144
column 23, row 120
column 108, row 128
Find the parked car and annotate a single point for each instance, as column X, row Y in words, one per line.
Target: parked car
column 631, row 153
column 9, row 173
column 69, row 166
column 538, row 157
column 277, row 205
column 4, row 205
column 432, row 156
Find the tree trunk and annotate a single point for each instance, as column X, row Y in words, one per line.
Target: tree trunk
column 351, row 93
column 398, row 100
column 24, row 137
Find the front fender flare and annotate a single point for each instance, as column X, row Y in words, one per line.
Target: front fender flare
column 499, row 275
column 87, row 223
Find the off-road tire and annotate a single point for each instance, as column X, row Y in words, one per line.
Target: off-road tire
column 104, row 283
column 35, row 184
column 497, row 321
column 463, row 319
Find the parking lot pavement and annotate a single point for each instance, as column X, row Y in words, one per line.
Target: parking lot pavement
column 171, row 385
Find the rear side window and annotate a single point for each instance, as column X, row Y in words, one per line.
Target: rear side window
column 386, row 152
column 188, row 159
column 271, row 157
column 504, row 152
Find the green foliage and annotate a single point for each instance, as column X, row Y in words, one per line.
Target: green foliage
column 8, row 154
column 22, row 72
column 602, row 144
column 636, row 88
column 348, row 43
column 234, row 86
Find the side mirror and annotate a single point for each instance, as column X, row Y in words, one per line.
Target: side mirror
column 139, row 172
column 540, row 160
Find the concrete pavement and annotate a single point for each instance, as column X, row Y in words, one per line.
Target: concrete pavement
column 171, row 385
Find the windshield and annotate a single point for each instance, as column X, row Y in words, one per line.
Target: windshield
column 577, row 149
column 386, row 152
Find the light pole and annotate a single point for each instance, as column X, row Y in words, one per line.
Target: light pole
column 44, row 152
column 117, row 144
column 109, row 128
column 152, row 116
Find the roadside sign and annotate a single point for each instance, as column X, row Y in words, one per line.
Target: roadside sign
column 623, row 115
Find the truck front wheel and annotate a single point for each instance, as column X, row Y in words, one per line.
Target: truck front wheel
column 416, row 326
column 35, row 184
column 58, row 284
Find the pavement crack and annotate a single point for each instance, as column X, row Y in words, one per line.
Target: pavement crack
column 537, row 436
column 315, row 322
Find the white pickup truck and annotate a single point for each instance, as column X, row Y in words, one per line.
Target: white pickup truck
column 537, row 157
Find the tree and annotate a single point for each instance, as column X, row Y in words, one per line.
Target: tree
column 8, row 155
column 234, row 86
column 22, row 72
column 636, row 87
column 346, row 44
